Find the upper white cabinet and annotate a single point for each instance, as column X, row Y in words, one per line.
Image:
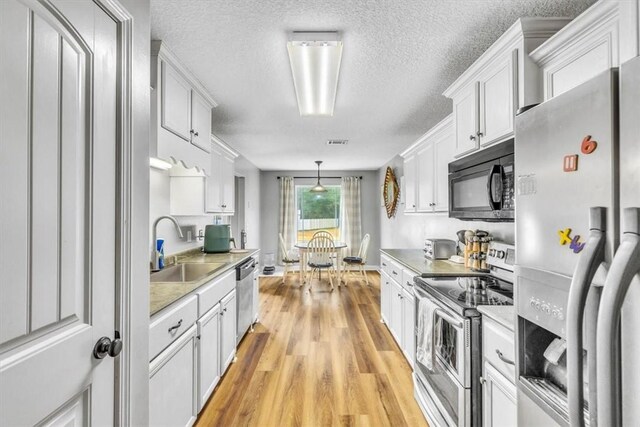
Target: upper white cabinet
column 487, row 95
column 426, row 169
column 180, row 111
column 604, row 36
column 220, row 197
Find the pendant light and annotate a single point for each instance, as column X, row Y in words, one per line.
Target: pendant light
column 318, row 188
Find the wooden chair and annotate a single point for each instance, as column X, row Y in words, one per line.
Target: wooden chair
column 322, row 233
column 319, row 251
column 287, row 260
column 358, row 261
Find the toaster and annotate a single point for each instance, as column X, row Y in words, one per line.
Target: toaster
column 439, row 248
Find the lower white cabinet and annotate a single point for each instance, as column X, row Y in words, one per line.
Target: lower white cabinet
column 208, row 354
column 256, row 295
column 173, row 377
column 499, row 399
column 228, row 330
column 385, row 297
column 395, row 322
column 408, row 325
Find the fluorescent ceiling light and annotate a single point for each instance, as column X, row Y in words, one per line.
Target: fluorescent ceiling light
column 315, row 65
column 157, row 163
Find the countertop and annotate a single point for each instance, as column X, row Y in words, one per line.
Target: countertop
column 503, row 314
column 414, row 259
column 163, row 294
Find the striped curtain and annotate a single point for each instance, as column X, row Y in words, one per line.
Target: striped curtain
column 350, row 216
column 287, row 220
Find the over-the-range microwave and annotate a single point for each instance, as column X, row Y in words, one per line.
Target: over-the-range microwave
column 481, row 185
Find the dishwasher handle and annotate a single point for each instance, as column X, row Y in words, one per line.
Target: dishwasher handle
column 245, row 269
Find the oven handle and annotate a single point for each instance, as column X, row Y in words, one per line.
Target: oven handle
column 443, row 314
column 495, row 170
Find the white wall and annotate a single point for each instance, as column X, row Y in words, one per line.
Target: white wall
column 409, row 230
column 159, row 205
column 270, row 196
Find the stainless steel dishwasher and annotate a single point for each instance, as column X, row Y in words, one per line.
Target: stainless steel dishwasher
column 244, row 296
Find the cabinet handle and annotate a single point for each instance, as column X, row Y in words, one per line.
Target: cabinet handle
column 176, row 326
column 482, row 381
column 384, row 265
column 194, row 133
column 504, row 359
column 480, row 134
column 472, row 137
column 224, row 206
column 394, row 272
column 225, row 309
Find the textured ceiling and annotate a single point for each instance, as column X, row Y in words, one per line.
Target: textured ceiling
column 399, row 55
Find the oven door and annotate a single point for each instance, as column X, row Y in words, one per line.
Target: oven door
column 449, row 381
column 477, row 192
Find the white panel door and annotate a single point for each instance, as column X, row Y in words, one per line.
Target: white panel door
column 395, row 322
column 228, row 330
column 408, row 327
column 443, row 154
column 213, row 181
column 200, row 122
column 465, row 119
column 410, row 178
column 499, row 399
column 498, row 101
column 208, row 354
column 385, row 297
column 424, row 171
column 58, row 212
column 175, row 105
column 228, row 185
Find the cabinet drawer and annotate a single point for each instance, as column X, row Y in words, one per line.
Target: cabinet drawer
column 395, row 271
column 169, row 324
column 385, row 264
column 209, row 295
column 407, row 279
column 498, row 347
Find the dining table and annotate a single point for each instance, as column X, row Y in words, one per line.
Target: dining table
column 303, row 247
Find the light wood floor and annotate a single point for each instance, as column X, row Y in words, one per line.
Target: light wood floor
column 319, row 359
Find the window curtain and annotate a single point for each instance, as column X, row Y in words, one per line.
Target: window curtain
column 350, row 214
column 287, row 220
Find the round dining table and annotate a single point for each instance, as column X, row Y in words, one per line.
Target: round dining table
column 303, row 247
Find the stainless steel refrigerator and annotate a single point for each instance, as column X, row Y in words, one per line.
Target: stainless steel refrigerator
column 577, row 158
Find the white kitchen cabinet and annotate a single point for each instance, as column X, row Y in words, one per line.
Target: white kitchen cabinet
column 426, row 169
column 487, row 95
column 604, row 36
column 425, row 175
column 220, row 192
column 180, row 112
column 175, row 106
column 200, row 122
column 497, row 107
column 465, row 117
column 256, row 295
column 410, row 180
column 395, row 322
column 499, row 399
column 208, row 354
column 173, row 379
column 408, row 325
column 385, row 297
column 228, row 330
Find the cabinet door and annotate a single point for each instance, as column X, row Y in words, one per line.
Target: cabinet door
column 410, row 184
column 175, row 103
column 497, row 101
column 408, row 327
column 214, row 185
column 395, row 322
column 499, row 399
column 228, row 185
column 256, row 296
column 424, row 183
column 173, row 379
column 228, row 322
column 443, row 154
column 385, row 297
column 465, row 119
column 208, row 354
column 200, row 122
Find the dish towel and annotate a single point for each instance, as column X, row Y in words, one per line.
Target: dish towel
column 425, row 341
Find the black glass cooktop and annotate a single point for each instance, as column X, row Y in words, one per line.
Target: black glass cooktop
column 471, row 292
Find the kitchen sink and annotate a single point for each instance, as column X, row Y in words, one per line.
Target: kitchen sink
column 187, row 272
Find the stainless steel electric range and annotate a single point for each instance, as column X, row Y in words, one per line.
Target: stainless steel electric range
column 448, row 338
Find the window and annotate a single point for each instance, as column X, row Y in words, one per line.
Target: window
column 317, row 211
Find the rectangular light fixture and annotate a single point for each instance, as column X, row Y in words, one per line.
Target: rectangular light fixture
column 315, row 65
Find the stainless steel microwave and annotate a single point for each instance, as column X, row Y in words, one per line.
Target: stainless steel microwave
column 481, row 185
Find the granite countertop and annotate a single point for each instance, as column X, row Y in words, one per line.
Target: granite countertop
column 163, row 294
column 503, row 314
column 414, row 259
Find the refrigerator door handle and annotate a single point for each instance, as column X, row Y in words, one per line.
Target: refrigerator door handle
column 590, row 259
column 494, row 187
column 625, row 265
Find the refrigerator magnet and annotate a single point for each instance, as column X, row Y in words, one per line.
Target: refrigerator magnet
column 588, row 145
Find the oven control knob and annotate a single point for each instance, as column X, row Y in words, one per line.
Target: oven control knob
column 560, row 315
column 546, row 309
column 500, row 254
column 555, row 313
column 537, row 305
column 532, row 303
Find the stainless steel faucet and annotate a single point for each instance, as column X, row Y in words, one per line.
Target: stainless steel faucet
column 156, row 254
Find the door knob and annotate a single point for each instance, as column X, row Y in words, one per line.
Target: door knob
column 105, row 346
